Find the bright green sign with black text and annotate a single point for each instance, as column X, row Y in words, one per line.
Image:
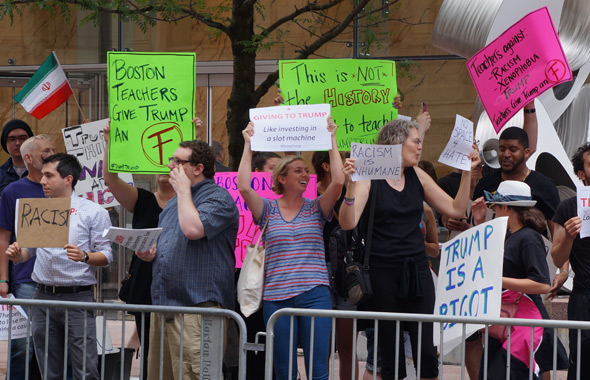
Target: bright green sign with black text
column 359, row 91
column 151, row 106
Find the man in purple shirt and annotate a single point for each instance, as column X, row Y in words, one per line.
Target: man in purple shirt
column 33, row 151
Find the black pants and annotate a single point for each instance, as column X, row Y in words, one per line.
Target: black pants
column 579, row 310
column 386, row 284
column 145, row 339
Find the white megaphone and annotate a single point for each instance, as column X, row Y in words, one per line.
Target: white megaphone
column 489, row 153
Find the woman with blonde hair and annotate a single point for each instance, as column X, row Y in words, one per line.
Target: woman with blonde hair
column 295, row 269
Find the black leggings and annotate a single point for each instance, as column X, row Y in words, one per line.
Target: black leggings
column 385, row 283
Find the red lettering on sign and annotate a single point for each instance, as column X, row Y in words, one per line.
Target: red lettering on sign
column 555, row 70
column 159, row 134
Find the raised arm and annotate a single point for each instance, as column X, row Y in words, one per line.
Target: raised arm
column 441, row 201
column 334, row 189
column 123, row 192
column 423, row 119
column 252, row 199
column 530, row 126
column 189, row 218
column 357, row 194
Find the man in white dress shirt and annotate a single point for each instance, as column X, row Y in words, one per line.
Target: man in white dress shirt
column 67, row 274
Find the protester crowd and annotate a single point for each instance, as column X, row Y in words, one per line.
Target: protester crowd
column 193, row 262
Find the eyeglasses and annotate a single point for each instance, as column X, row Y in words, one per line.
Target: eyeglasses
column 13, row 139
column 178, row 161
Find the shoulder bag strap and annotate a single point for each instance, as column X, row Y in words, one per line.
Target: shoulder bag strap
column 369, row 236
column 259, row 236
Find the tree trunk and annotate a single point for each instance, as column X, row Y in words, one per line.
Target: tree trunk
column 242, row 95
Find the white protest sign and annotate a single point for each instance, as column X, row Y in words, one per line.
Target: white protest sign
column 376, row 161
column 459, row 145
column 583, row 195
column 138, row 240
column 291, row 128
column 470, row 279
column 19, row 321
column 86, row 142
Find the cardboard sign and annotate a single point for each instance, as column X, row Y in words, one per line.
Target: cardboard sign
column 151, row 106
column 86, row 142
column 43, row 222
column 291, row 129
column 19, row 321
column 376, row 161
column 583, row 195
column 518, row 66
column 470, row 279
column 262, row 183
column 459, row 146
column 360, row 92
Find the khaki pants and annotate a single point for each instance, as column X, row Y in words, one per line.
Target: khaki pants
column 191, row 353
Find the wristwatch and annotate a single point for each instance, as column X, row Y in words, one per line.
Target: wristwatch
column 86, row 257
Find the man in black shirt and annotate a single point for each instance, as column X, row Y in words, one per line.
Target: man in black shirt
column 513, row 154
column 567, row 245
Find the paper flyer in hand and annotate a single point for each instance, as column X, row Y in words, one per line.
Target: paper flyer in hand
column 140, row 240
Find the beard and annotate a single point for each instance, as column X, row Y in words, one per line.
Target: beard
column 515, row 166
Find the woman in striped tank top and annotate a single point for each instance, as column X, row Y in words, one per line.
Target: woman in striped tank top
column 295, row 268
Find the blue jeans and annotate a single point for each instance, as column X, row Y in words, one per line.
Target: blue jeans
column 18, row 347
column 316, row 298
column 370, row 333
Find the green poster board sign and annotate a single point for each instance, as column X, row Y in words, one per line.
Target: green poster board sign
column 359, row 91
column 151, row 106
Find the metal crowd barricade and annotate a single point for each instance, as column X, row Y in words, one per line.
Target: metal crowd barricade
column 420, row 319
column 214, row 324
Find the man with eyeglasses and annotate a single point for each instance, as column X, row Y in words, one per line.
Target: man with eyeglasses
column 194, row 259
column 14, row 133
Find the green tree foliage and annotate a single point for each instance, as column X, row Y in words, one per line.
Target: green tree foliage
column 245, row 24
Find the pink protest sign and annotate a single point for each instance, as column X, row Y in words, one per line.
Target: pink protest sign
column 262, row 183
column 518, row 66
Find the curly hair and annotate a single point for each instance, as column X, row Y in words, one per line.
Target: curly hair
column 395, row 132
column 201, row 154
column 577, row 158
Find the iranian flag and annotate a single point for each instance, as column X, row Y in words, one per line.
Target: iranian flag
column 46, row 90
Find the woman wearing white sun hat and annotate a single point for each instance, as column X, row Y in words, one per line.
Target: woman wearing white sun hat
column 525, row 276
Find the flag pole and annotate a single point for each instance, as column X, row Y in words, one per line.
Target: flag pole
column 78, row 105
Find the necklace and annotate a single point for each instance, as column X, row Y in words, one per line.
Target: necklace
column 522, row 179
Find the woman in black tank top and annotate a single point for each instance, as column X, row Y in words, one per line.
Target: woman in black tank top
column 400, row 276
